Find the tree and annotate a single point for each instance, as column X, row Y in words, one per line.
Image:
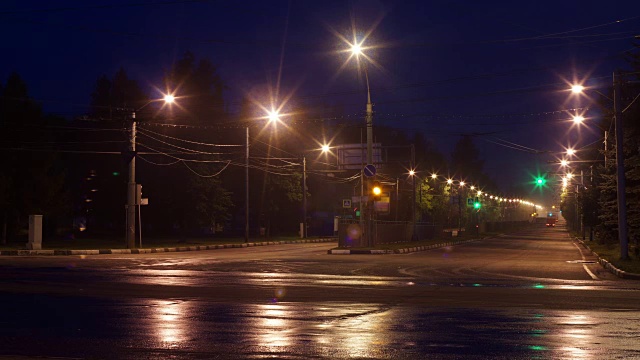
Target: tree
column 31, row 182
column 199, row 87
column 116, row 98
column 466, row 161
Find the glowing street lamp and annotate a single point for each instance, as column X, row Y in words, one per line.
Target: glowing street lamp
column 577, row 88
column 169, row 98
column 620, row 172
column 578, row 119
column 325, row 148
column 356, row 49
column 132, row 187
column 434, row 176
column 571, row 152
column 273, row 116
column 564, row 163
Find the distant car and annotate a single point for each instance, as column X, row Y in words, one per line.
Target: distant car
column 551, row 222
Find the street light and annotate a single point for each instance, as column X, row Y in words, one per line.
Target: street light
column 356, row 50
column 325, row 149
column 132, row 188
column 577, row 88
column 620, row 175
column 578, row 119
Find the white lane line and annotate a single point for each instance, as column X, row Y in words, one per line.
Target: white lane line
column 593, row 276
column 584, row 266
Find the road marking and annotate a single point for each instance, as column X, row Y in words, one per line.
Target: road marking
column 593, row 276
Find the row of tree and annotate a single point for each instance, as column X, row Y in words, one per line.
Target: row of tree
column 190, row 160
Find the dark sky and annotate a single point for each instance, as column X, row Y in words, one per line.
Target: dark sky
column 445, row 68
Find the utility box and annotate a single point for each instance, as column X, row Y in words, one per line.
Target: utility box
column 35, row 232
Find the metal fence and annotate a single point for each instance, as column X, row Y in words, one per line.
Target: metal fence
column 389, row 232
column 384, row 232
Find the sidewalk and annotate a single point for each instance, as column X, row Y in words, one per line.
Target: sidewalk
column 159, row 250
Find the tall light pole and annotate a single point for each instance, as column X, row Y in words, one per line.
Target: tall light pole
column 356, row 50
column 325, row 149
column 304, row 196
column 131, row 184
column 620, row 176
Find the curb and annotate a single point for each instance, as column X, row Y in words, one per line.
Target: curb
column 609, row 266
column 157, row 250
column 397, row 251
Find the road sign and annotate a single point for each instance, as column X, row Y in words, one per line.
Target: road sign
column 469, row 201
column 346, row 203
column 369, row 170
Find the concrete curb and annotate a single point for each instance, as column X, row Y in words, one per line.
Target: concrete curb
column 158, row 250
column 609, row 266
column 397, row 251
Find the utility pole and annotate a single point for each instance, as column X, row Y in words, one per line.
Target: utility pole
column 369, row 121
column 363, row 208
column 304, row 197
column 131, row 187
column 397, row 196
column 413, row 208
column 606, row 133
column 246, row 190
column 622, row 202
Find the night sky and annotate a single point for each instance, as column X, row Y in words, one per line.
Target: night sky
column 445, row 68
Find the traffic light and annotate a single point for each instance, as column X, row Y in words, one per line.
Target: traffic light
column 376, row 191
column 540, row 180
column 356, row 211
column 477, row 205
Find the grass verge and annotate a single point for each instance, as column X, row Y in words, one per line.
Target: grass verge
column 611, row 253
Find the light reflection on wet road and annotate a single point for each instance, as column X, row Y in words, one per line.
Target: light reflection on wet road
column 194, row 329
column 518, row 297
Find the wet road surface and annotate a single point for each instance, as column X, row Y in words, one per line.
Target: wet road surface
column 532, row 295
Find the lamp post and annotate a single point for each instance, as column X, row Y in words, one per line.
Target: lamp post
column 356, row 50
column 131, row 184
column 620, row 176
column 325, row 149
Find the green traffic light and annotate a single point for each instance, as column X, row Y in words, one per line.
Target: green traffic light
column 477, row 205
column 540, row 181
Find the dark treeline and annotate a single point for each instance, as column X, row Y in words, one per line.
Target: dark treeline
column 191, row 162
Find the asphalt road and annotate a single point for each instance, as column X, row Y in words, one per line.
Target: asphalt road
column 534, row 294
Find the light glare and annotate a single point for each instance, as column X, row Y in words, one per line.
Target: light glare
column 577, row 89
